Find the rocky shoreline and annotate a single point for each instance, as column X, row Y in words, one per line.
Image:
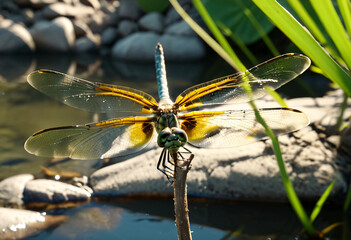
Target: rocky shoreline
column 313, row 156
column 117, row 28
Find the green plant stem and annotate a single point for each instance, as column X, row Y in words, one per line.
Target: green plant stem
column 321, row 201
column 347, row 200
column 217, row 33
column 342, row 111
column 258, row 28
column 289, row 188
column 238, row 42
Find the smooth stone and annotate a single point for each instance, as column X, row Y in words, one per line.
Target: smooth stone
column 109, row 36
column 182, row 48
column 126, row 27
column 137, row 46
column 86, row 44
column 153, row 21
column 180, row 28
column 111, row 19
column 11, row 189
column 65, row 10
column 15, row 38
column 57, row 35
column 129, row 9
column 50, row 191
column 141, row 46
column 19, row 223
column 247, row 172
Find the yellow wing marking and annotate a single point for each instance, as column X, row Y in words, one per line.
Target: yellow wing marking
column 124, row 121
column 137, row 135
column 110, row 91
column 197, row 130
column 202, row 91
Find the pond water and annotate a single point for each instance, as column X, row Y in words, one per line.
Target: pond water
column 24, row 111
column 154, row 219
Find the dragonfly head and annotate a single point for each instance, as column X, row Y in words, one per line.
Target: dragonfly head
column 172, row 139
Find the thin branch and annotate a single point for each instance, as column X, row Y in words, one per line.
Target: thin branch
column 181, row 210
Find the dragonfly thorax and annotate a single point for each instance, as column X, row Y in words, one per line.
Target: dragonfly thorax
column 166, row 119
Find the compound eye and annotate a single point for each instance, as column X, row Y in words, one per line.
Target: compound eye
column 181, row 134
column 163, row 136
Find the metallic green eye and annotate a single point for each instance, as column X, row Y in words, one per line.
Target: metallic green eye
column 181, row 134
column 163, row 136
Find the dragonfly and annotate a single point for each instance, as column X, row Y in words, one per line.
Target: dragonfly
column 194, row 118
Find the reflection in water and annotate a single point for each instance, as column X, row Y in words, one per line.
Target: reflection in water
column 132, row 218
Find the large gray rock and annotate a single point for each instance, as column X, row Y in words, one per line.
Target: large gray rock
column 137, row 46
column 129, row 9
column 57, row 35
column 87, row 44
column 65, row 10
column 141, row 46
column 15, row 38
column 109, row 36
column 248, row 172
column 182, row 48
column 126, row 27
column 153, row 21
column 180, row 28
column 11, row 189
column 19, row 224
column 50, row 191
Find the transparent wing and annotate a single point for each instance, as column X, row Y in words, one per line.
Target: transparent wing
column 91, row 96
column 118, row 137
column 221, row 129
column 273, row 73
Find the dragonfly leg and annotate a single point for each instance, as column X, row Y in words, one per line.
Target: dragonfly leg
column 186, row 161
column 163, row 162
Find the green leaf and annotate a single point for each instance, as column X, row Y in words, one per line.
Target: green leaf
column 232, row 14
column 303, row 40
column 321, row 201
column 153, row 5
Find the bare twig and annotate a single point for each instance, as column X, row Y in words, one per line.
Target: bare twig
column 180, row 197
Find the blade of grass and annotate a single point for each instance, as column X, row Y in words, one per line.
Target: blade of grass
column 334, row 27
column 289, row 188
column 304, row 40
column 311, row 25
column 341, row 116
column 347, row 200
column 212, row 43
column 345, row 10
column 238, row 42
column 293, row 198
column 321, row 201
column 276, row 96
